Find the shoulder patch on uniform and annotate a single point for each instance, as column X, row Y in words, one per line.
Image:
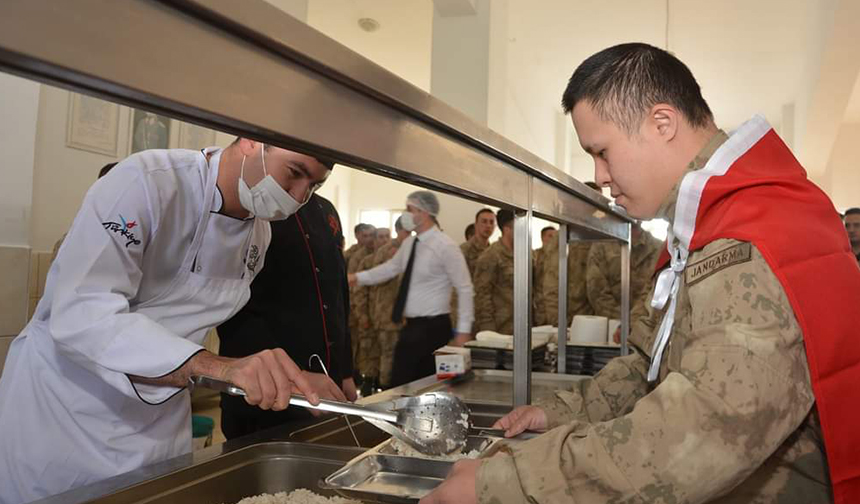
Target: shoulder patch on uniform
column 700, row 270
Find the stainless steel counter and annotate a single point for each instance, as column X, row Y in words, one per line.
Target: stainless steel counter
column 274, row 461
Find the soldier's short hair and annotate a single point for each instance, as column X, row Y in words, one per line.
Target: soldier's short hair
column 852, row 211
column 470, row 231
column 504, row 217
column 624, row 81
column 482, row 211
column 546, row 230
column 362, row 227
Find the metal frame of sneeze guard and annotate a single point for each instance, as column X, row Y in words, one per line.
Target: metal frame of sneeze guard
column 289, row 85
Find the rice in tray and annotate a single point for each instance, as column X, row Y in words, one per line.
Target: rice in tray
column 404, row 449
column 299, row 496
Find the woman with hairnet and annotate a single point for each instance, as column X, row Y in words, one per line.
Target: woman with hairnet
column 431, row 264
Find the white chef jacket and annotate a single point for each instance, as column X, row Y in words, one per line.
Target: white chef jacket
column 146, row 269
column 438, row 265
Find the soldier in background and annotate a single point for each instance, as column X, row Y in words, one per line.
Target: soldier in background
column 852, row 227
column 470, row 231
column 382, row 305
column 485, row 224
column 368, row 343
column 366, row 236
column 538, row 260
column 577, row 263
column 359, row 231
column 577, row 296
column 603, row 275
column 494, row 281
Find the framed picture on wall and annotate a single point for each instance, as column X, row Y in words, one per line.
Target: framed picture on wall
column 92, row 125
column 148, row 130
column 195, row 137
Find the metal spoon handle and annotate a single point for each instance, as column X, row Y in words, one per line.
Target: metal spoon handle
column 299, row 400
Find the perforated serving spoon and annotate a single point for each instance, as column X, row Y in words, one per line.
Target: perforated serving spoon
column 435, row 423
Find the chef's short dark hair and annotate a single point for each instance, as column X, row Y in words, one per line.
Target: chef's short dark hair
column 328, row 163
column 504, row 217
column 623, row 82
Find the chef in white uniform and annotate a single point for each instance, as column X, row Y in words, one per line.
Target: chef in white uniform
column 163, row 248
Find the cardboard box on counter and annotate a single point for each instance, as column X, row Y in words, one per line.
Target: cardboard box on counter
column 452, row 361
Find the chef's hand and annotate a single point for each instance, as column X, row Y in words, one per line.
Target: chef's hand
column 325, row 387
column 268, row 378
column 349, row 390
column 522, row 419
column 352, row 279
column 458, row 487
column 460, row 339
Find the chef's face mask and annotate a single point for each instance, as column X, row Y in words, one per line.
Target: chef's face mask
column 407, row 221
column 267, row 200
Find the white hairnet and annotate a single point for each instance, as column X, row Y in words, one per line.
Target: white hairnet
column 424, row 200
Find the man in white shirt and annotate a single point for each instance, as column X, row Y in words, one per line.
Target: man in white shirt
column 163, row 248
column 431, row 263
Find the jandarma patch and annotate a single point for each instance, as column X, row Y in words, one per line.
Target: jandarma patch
column 701, row 270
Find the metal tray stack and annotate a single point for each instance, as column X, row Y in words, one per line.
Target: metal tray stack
column 495, row 358
column 589, row 359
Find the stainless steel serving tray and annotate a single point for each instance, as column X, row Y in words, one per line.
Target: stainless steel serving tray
column 382, row 475
column 267, row 467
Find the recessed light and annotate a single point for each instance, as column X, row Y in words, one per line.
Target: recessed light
column 369, row 25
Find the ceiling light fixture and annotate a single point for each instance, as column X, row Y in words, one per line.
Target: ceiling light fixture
column 369, row 25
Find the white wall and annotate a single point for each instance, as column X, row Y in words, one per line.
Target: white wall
column 844, row 169
column 61, row 174
column 19, row 103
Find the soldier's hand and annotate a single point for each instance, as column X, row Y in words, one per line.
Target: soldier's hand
column 352, row 279
column 521, row 419
column 616, row 337
column 458, row 487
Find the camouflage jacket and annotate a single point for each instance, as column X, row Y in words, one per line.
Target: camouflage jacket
column 357, row 295
column 383, row 295
column 603, row 275
column 731, row 420
column 577, row 298
column 538, row 264
column 348, row 252
column 494, row 290
column 472, row 250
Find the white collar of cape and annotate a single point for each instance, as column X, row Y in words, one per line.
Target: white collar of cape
column 684, row 227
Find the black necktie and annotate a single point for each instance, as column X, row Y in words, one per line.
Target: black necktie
column 403, row 290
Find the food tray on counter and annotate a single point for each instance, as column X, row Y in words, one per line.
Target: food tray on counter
column 383, row 475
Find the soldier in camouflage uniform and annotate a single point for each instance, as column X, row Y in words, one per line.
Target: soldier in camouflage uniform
column 365, row 308
column 358, row 230
column 603, row 274
column 383, row 297
column 485, row 224
column 366, row 241
column 577, row 297
column 494, row 281
column 731, row 417
column 538, row 260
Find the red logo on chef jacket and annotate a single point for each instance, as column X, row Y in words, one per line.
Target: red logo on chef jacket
column 333, row 224
column 123, row 228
